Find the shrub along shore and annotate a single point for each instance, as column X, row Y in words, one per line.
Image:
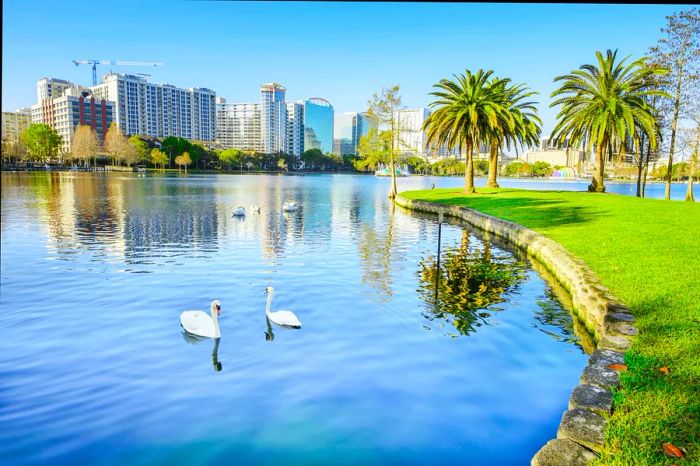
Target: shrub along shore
column 647, row 252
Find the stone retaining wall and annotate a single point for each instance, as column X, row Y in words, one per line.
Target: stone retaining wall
column 582, row 428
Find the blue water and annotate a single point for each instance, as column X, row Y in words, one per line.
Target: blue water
column 94, row 368
column 653, row 190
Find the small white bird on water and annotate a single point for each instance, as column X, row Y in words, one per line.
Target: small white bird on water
column 289, row 206
column 282, row 318
column 199, row 323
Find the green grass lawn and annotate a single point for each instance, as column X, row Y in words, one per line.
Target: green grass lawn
column 647, row 252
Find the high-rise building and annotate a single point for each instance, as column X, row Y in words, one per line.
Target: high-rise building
column 318, row 125
column 75, row 106
column 238, row 125
column 411, row 139
column 348, row 128
column 295, row 128
column 160, row 110
column 13, row 123
column 48, row 88
column 273, row 118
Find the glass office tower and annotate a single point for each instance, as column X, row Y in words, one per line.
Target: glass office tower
column 318, row 125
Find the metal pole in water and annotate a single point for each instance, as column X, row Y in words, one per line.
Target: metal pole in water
column 437, row 275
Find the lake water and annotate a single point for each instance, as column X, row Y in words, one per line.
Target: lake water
column 95, row 369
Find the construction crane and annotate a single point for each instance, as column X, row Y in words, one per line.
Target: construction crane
column 94, row 64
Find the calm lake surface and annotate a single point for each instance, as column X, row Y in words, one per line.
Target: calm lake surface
column 94, row 367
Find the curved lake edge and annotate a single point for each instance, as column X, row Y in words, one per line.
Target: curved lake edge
column 582, row 428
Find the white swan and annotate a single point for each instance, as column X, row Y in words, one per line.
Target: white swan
column 239, row 212
column 199, row 323
column 255, row 208
column 283, row 318
column 289, row 206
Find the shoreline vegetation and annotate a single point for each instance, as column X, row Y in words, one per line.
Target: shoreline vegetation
column 645, row 252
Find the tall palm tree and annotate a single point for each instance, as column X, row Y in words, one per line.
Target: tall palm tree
column 604, row 103
column 525, row 130
column 468, row 110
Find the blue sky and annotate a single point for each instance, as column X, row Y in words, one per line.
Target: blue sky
column 343, row 52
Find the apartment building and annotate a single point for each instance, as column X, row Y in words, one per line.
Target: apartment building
column 76, row 105
column 13, row 123
column 557, row 155
column 295, row 128
column 48, row 88
column 159, row 110
column 238, row 125
column 273, row 118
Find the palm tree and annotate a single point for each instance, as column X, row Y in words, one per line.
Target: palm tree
column 525, row 131
column 603, row 104
column 469, row 109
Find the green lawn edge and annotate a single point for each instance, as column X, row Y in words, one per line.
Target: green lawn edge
column 647, row 252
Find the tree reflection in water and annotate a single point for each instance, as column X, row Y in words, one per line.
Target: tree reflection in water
column 470, row 283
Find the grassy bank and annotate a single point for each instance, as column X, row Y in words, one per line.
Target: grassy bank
column 648, row 253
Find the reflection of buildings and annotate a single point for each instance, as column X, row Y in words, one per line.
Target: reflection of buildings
column 121, row 217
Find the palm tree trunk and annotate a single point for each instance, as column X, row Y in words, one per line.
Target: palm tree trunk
column 493, row 164
column 597, row 185
column 469, row 170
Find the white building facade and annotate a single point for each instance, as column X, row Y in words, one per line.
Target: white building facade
column 160, row 110
column 273, row 118
column 295, row 128
column 238, row 126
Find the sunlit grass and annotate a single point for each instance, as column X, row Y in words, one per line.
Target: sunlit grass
column 647, row 252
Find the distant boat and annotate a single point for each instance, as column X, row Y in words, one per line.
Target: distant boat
column 140, row 168
column 239, row 212
column 385, row 171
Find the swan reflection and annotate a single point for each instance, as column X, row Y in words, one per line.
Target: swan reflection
column 194, row 340
column 269, row 334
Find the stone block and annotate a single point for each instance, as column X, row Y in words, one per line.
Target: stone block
column 621, row 329
column 605, row 357
column 613, row 317
column 617, row 307
column 592, row 398
column 618, row 343
column 583, row 427
column 600, row 376
column 560, row 452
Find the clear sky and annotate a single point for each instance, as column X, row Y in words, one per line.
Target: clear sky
column 341, row 51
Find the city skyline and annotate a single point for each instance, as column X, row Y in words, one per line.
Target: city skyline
column 340, row 58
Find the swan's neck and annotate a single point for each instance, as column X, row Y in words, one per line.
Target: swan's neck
column 269, row 301
column 215, row 320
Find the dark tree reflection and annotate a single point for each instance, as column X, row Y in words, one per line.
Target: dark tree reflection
column 470, row 283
